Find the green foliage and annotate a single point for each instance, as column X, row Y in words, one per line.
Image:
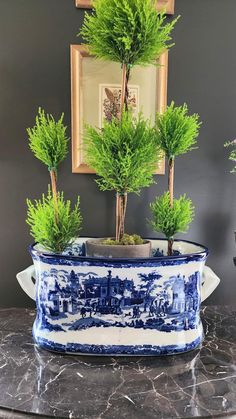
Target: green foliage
column 126, row 240
column 232, row 154
column 171, row 220
column 127, row 31
column 124, row 154
column 47, row 140
column 177, row 131
column 41, row 219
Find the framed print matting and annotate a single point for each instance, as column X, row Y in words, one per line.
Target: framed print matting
column 168, row 5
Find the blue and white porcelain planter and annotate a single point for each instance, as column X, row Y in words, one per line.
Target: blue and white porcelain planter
column 119, row 306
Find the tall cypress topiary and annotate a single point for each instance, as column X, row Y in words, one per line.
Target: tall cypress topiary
column 130, row 32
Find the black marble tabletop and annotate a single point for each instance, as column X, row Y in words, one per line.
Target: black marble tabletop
column 201, row 383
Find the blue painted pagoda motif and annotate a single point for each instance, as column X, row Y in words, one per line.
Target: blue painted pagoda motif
column 74, row 301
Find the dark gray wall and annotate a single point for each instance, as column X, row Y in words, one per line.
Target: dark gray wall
column 34, row 70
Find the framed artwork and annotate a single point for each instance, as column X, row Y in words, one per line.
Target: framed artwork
column 95, row 96
column 109, row 101
column 168, row 5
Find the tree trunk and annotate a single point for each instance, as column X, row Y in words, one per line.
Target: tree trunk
column 54, row 193
column 124, row 101
column 171, row 192
column 170, row 247
column 123, row 88
column 121, row 205
column 127, row 89
column 117, row 216
column 121, row 199
column 171, row 180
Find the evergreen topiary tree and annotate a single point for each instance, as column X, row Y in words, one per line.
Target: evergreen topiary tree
column 130, row 32
column 49, row 143
column 53, row 223
column 176, row 134
column 124, row 154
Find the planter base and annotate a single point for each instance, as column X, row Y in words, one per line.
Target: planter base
column 192, row 339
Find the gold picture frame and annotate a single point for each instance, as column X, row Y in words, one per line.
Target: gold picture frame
column 168, row 5
column 87, row 77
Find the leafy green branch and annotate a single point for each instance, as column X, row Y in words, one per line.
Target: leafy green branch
column 232, row 154
column 124, row 155
column 174, row 219
column 40, row 217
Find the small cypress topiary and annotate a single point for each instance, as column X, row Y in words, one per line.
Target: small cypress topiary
column 52, row 221
column 176, row 134
column 49, row 144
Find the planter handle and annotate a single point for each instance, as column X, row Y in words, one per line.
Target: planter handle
column 25, row 280
column 209, row 282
